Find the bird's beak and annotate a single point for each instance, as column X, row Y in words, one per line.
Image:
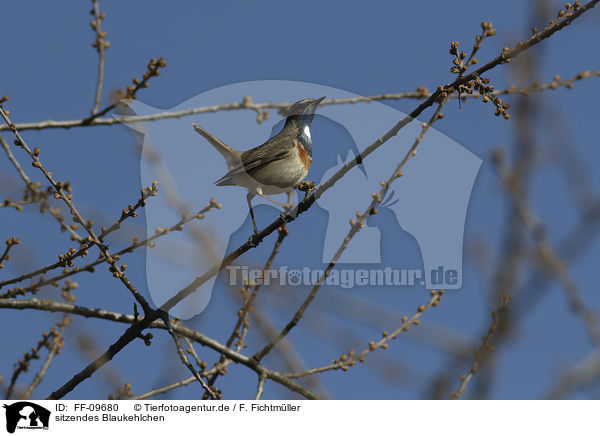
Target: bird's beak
column 312, row 107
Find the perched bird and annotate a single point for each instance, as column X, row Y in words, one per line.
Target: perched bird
column 276, row 166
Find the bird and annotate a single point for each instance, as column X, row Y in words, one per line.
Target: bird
column 276, row 166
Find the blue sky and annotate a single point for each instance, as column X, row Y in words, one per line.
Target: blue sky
column 49, row 71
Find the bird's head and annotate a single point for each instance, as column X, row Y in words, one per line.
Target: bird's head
column 303, row 110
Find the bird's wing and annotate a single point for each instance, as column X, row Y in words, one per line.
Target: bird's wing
column 274, row 149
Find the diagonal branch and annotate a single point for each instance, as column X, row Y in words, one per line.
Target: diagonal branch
column 68, row 199
column 356, row 225
column 441, row 93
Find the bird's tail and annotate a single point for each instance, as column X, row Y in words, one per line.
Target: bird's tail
column 231, row 156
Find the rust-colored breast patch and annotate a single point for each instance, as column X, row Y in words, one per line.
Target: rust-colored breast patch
column 304, row 156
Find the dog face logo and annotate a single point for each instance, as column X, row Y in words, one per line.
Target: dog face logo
column 426, row 207
column 26, row 415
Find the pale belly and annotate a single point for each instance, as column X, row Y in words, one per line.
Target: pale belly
column 280, row 176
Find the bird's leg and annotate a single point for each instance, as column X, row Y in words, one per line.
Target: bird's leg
column 274, row 201
column 249, row 198
column 290, row 196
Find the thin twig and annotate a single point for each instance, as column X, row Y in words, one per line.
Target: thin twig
column 262, row 378
column 14, row 161
column 548, row 256
column 100, row 45
column 185, row 360
column 249, row 303
column 584, row 372
column 17, row 205
column 152, row 70
column 39, row 195
column 420, row 94
column 167, row 388
column 351, row 358
column 355, row 226
column 34, row 287
column 481, row 353
column 57, row 345
column 67, row 198
column 10, row 242
column 135, row 330
column 157, row 323
column 47, row 341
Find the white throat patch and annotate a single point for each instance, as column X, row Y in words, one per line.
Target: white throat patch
column 306, row 131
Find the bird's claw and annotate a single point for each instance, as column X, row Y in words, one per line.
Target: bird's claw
column 306, row 186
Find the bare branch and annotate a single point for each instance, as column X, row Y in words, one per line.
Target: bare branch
column 351, row 358
column 486, row 347
column 185, row 360
column 100, row 45
column 67, row 198
column 58, row 343
column 355, row 226
column 262, row 378
column 421, row 94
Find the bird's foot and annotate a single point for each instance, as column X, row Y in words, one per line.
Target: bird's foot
column 306, row 186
